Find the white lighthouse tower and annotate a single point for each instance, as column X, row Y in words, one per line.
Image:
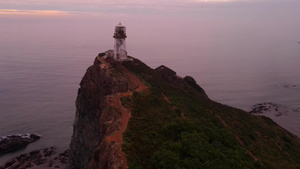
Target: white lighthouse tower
column 120, row 51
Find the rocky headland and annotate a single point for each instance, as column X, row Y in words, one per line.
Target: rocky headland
column 131, row 116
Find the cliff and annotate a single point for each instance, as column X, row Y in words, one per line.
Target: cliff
column 100, row 118
column 131, row 116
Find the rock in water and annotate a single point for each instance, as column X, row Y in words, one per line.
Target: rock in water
column 15, row 142
column 267, row 107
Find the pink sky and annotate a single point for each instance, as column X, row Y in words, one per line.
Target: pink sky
column 143, row 7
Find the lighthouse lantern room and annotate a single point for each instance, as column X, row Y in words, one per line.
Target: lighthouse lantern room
column 120, row 51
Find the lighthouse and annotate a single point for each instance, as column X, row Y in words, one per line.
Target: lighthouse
column 120, row 51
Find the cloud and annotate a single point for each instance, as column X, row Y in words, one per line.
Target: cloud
column 125, row 7
column 33, row 12
column 86, row 5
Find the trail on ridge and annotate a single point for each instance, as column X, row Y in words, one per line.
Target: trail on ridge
column 125, row 113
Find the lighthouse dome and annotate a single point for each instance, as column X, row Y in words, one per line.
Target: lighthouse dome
column 120, row 32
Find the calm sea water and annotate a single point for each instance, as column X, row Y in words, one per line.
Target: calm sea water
column 237, row 62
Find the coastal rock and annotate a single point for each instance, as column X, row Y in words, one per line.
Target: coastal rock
column 268, row 107
column 43, row 158
column 24, row 161
column 59, row 161
column 12, row 143
column 289, row 86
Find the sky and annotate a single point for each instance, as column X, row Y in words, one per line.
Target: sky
column 224, row 31
column 164, row 18
column 205, row 22
column 135, row 7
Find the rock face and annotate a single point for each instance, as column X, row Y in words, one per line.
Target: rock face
column 96, row 141
column 170, row 76
column 15, row 142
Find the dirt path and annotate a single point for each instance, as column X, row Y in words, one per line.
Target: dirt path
column 174, row 107
column 236, row 137
column 222, row 121
column 135, row 80
column 124, row 120
column 118, row 137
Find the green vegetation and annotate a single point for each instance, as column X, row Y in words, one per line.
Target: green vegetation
column 182, row 128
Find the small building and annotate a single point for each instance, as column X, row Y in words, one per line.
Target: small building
column 120, row 51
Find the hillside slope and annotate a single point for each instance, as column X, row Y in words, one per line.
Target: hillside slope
column 168, row 122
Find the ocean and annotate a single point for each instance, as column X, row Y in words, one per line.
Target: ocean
column 238, row 61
